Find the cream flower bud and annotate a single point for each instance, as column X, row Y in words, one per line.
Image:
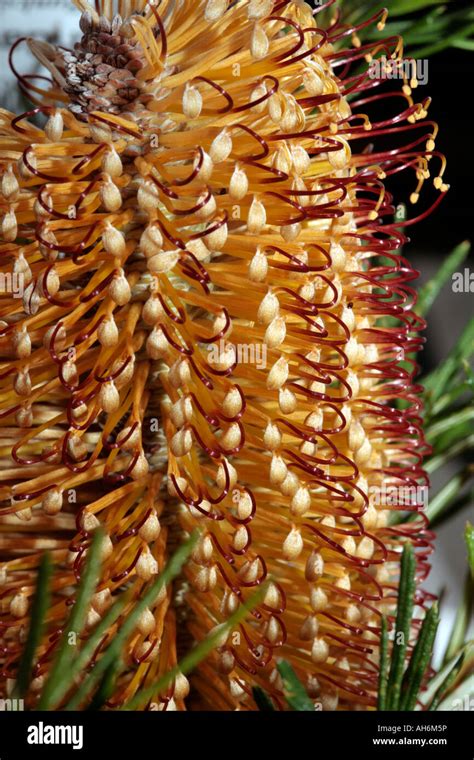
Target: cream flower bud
column 293, row 544
column 110, row 195
column 157, row 346
column 232, row 404
column 319, row 650
column 338, row 257
column 109, row 397
column 52, row 501
column 268, row 309
column 181, row 443
column 54, row 127
column 19, row 605
column 221, row 147
column 9, row 186
column 239, row 184
column 151, row 528
column 217, row 239
column 215, row 9
column 163, row 262
column 107, row 332
column 275, row 333
column 112, row 163
column 192, row 101
column 257, row 217
column 313, row 81
column 113, row 241
column 9, row 226
column 301, row 501
column 244, row 506
column 278, row 470
column 240, row 538
column 146, row 566
column 146, row 622
column 318, row 599
column 314, row 567
column 259, row 42
column 259, row 8
column 181, row 687
column 148, row 196
column 258, row 267
column 182, row 411
column 272, row 437
column 209, row 206
column 119, row 289
column 151, row 241
column 287, row 401
column 232, row 437
column 180, row 373
column 21, row 342
column 278, row 374
column 309, row 629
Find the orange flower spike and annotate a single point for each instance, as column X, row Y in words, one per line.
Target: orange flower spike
column 206, row 257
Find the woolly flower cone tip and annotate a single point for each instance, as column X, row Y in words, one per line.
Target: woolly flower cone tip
column 213, row 331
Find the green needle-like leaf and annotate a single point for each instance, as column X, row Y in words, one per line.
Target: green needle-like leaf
column 399, row 7
column 456, row 424
column 447, row 500
column 442, row 690
column 77, row 619
column 383, row 666
column 429, row 292
column 469, row 535
column 262, row 700
column 461, row 623
column 39, row 609
column 196, row 655
column 106, row 686
column 420, row 660
column 78, row 665
column 434, row 684
column 172, row 569
column 402, row 626
column 295, row 693
column 438, row 380
column 461, row 696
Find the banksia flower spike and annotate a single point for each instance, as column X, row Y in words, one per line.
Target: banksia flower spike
column 215, row 331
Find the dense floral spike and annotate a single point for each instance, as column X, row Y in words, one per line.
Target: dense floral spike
column 215, row 330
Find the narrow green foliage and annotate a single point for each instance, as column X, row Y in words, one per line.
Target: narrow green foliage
column 446, row 684
column 399, row 7
column 106, row 686
column 462, row 620
column 428, row 293
column 442, row 377
column 73, row 629
column 420, row 660
column 469, row 535
column 295, row 693
column 87, row 651
column 262, row 700
column 402, row 626
column 172, row 569
column 196, row 655
column 39, row 609
column 383, row 666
